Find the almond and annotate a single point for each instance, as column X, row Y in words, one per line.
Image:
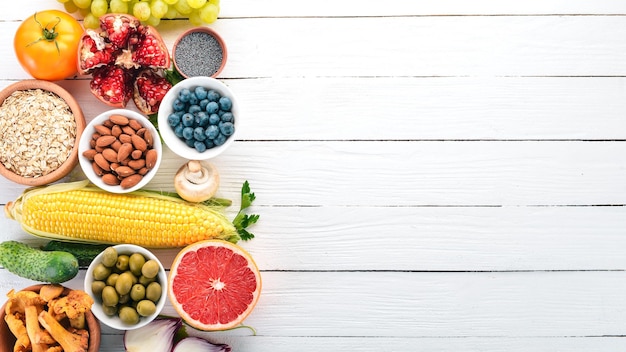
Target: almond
column 124, row 151
column 102, row 130
column 108, row 124
column 101, row 161
column 116, row 145
column 151, row 158
column 128, row 130
column 124, row 171
column 138, row 142
column 147, row 136
column 110, row 179
column 136, row 154
column 110, row 155
column 131, row 181
column 97, row 169
column 143, row 171
column 89, row 154
column 116, row 130
column 104, row 141
column 137, row 164
column 124, row 138
column 134, row 124
column 119, row 120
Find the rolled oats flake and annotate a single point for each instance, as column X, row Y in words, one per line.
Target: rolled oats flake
column 37, row 132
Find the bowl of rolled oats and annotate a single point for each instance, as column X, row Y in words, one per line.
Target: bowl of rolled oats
column 40, row 126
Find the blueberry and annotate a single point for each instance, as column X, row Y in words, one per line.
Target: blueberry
column 194, row 108
column 184, row 95
column 212, row 107
column 202, row 119
column 203, row 103
column 190, row 143
column 227, row 117
column 188, row 119
column 173, row 120
column 200, row 92
column 213, row 95
column 226, row 128
column 209, row 143
column 198, row 134
column 188, row 133
column 220, row 139
column 178, row 105
column 211, row 132
column 193, row 100
column 178, row 130
column 214, row 119
column 225, row 103
column 200, row 146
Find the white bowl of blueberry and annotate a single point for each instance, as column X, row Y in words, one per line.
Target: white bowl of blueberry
column 198, row 118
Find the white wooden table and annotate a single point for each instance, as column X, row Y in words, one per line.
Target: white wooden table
column 431, row 175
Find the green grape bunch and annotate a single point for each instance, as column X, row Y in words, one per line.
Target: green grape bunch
column 151, row 12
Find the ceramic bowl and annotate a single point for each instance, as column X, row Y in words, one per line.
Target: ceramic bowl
column 194, row 44
column 114, row 321
column 65, row 168
column 178, row 145
column 84, row 145
column 7, row 340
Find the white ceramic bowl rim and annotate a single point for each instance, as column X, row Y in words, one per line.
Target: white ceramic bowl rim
column 174, row 143
column 86, row 166
column 115, row 321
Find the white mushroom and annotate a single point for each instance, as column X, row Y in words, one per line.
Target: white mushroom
column 196, row 182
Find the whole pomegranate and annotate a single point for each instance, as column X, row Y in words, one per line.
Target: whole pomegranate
column 126, row 60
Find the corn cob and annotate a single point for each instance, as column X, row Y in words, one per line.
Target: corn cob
column 81, row 212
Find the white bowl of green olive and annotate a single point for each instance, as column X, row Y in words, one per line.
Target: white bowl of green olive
column 128, row 284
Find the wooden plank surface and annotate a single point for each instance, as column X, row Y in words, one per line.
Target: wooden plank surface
column 431, row 176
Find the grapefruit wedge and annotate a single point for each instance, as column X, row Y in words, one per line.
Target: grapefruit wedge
column 214, row 285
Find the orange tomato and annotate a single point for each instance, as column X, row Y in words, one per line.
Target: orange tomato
column 46, row 44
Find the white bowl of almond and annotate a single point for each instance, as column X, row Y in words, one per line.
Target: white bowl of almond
column 120, row 151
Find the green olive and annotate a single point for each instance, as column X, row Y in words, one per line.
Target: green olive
column 101, row 272
column 122, row 262
column 136, row 262
column 109, row 310
column 97, row 287
column 124, row 283
column 112, row 279
column 109, row 296
column 138, row 292
column 153, row 291
column 146, row 307
column 128, row 315
column 145, row 281
column 109, row 257
column 124, row 299
column 150, row 269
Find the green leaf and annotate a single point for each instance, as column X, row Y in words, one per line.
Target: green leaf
column 243, row 220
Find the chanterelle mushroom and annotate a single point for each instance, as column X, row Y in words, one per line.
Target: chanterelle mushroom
column 196, row 182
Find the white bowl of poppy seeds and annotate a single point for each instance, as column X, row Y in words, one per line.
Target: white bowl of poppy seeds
column 199, row 52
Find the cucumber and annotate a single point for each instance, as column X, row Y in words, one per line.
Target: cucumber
column 35, row 264
column 85, row 253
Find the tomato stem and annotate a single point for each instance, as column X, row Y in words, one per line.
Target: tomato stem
column 48, row 34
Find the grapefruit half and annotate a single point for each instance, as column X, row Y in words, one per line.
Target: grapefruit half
column 214, row 285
